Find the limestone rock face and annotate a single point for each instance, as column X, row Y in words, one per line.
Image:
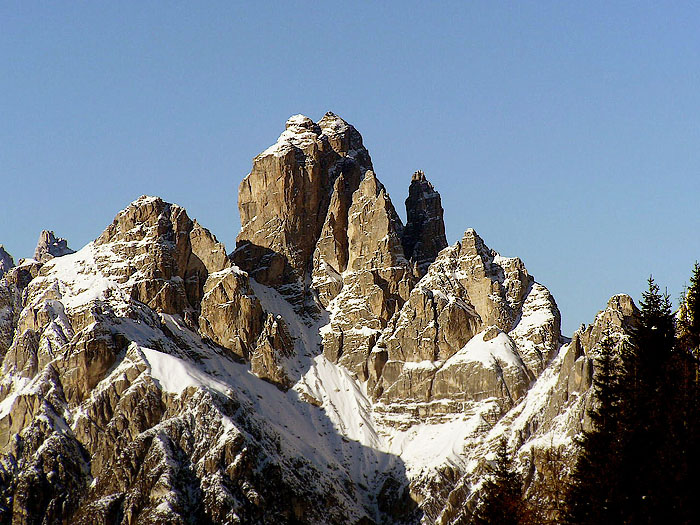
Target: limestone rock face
column 285, row 199
column 377, row 281
column 167, row 256
column 274, row 345
column 497, row 286
column 6, row 261
column 231, row 315
column 338, row 367
column 468, row 290
column 50, row 246
column 620, row 315
column 424, row 235
column 114, row 410
column 552, row 412
column 488, row 366
column 12, row 298
column 332, row 251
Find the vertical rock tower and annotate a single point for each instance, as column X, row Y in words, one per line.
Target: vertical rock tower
column 424, row 235
column 285, row 200
column 50, row 246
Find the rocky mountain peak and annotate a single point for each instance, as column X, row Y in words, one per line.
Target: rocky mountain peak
column 418, row 176
column 6, row 261
column 160, row 256
column 374, row 229
column 50, row 246
column 302, row 183
column 424, row 235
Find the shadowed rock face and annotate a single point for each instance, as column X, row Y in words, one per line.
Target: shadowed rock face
column 6, row 261
column 50, row 246
column 424, row 234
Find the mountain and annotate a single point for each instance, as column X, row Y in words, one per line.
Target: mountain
column 337, row 367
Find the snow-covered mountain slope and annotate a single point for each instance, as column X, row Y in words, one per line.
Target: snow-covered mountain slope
column 148, row 378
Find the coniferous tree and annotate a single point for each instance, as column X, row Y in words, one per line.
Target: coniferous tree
column 687, row 427
column 501, row 500
column 640, row 459
column 648, row 389
column 689, row 314
column 595, row 493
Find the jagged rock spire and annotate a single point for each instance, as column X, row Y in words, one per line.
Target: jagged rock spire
column 424, row 234
column 6, row 261
column 50, row 246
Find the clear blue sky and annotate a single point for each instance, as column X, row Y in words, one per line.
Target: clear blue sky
column 565, row 134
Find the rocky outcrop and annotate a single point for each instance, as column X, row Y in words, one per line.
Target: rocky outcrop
column 284, row 200
column 113, row 410
column 6, row 261
column 620, row 316
column 12, row 299
column 49, row 246
column 468, row 290
column 274, row 346
column 424, row 235
column 231, row 315
column 160, row 257
column 541, row 429
column 376, row 283
column 332, row 251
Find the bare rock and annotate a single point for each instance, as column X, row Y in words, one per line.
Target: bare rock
column 231, row 315
column 488, row 366
column 6, row 261
column 541, row 429
column 332, row 251
column 620, row 315
column 424, row 234
column 50, row 246
column 284, row 200
column 468, row 290
column 496, row 285
column 376, row 283
column 168, row 257
column 374, row 229
column 538, row 330
column 12, row 299
column 274, row 346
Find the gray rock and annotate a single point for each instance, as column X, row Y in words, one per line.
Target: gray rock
column 50, row 246
column 424, row 234
column 6, row 261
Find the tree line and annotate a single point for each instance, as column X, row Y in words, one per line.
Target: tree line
column 637, row 461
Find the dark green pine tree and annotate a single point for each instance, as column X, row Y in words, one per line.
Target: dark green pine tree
column 501, row 499
column 650, row 447
column 648, row 389
column 689, row 315
column 594, row 492
column 686, row 430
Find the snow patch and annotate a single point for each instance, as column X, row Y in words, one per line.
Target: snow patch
column 500, row 349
